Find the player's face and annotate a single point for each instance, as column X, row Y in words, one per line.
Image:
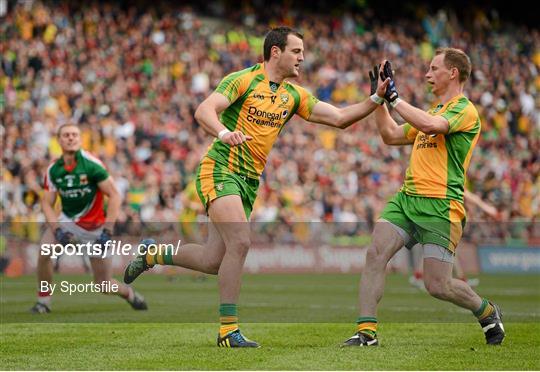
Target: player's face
column 70, row 139
column 291, row 58
column 438, row 75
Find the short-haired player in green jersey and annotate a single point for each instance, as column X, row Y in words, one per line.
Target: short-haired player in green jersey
column 81, row 181
column 245, row 113
column 429, row 207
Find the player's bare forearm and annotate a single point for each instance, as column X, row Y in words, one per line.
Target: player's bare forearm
column 391, row 133
column 47, row 206
column 208, row 111
column 113, row 210
column 115, row 201
column 354, row 113
column 326, row 114
column 485, row 207
column 421, row 120
column 207, row 117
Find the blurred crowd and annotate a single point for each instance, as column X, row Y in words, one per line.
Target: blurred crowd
column 132, row 79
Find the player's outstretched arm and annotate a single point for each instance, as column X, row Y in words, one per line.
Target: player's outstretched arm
column 207, row 116
column 115, row 201
column 485, row 207
column 416, row 117
column 327, row 114
column 391, row 133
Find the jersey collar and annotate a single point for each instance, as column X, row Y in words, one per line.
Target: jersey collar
column 439, row 106
column 77, row 157
column 267, row 80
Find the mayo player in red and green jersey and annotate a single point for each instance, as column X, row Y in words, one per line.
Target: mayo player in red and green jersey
column 82, row 182
column 429, row 207
column 246, row 113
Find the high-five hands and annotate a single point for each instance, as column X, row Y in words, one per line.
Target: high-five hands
column 378, row 87
column 391, row 94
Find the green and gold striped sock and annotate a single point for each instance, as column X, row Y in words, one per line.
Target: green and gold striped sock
column 162, row 257
column 367, row 325
column 485, row 310
column 228, row 319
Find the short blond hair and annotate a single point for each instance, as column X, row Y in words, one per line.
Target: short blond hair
column 457, row 58
column 59, row 131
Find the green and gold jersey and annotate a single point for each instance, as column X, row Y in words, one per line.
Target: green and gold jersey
column 439, row 161
column 82, row 200
column 260, row 109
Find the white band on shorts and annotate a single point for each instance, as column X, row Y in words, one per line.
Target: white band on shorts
column 438, row 252
column 404, row 234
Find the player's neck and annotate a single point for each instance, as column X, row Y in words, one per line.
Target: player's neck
column 69, row 157
column 272, row 73
column 451, row 93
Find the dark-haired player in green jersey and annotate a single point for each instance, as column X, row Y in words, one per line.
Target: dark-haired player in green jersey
column 246, row 113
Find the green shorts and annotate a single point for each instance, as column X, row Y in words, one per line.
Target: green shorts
column 215, row 180
column 427, row 220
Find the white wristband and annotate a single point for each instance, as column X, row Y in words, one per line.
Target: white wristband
column 395, row 102
column 375, row 98
column 222, row 133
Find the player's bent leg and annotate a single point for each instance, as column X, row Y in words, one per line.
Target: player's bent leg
column 203, row 258
column 440, row 284
column 102, row 270
column 459, row 273
column 44, row 277
column 438, row 262
column 229, row 218
column 387, row 240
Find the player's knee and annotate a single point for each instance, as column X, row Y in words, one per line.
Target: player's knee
column 240, row 246
column 438, row 288
column 374, row 257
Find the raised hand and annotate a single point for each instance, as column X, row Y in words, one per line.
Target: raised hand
column 386, row 72
column 373, row 78
column 378, row 87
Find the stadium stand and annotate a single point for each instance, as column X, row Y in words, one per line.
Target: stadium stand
column 132, row 79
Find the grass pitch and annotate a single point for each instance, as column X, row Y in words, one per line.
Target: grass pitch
column 300, row 320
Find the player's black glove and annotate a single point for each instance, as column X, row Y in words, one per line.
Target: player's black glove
column 391, row 93
column 104, row 237
column 373, row 77
column 62, row 237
